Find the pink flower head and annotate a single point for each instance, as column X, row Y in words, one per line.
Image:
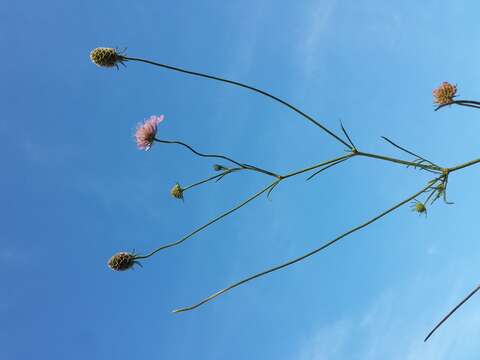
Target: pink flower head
column 146, row 131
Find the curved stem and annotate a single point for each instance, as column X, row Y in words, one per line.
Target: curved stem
column 452, row 311
column 313, row 252
column 209, row 223
column 196, row 152
column 469, row 103
column 409, row 152
column 283, row 102
column 226, row 172
column 245, row 166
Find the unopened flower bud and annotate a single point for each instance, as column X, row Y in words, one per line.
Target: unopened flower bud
column 218, row 167
column 177, row 191
column 420, row 208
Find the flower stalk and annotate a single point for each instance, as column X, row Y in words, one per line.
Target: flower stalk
column 443, row 95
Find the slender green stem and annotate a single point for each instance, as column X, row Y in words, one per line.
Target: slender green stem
column 464, row 165
column 209, row 223
column 236, row 83
column 344, row 157
column 226, row 172
column 313, row 252
column 197, row 152
column 398, row 161
column 469, row 103
column 409, row 152
column 325, row 168
column 245, row 166
column 452, row 311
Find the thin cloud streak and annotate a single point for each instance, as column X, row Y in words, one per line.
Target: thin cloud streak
column 393, row 328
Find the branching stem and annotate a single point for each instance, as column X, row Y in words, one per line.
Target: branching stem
column 313, row 252
column 209, row 223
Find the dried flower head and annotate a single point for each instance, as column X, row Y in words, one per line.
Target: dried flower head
column 177, row 191
column 121, row 261
column 106, row 57
column 445, row 93
column 146, row 131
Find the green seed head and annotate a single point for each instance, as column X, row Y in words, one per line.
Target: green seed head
column 177, row 191
column 420, row 208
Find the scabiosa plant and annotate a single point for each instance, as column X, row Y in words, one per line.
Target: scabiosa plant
column 146, row 131
column 146, row 135
column 106, row 57
column 418, row 207
column 177, row 191
column 444, row 94
column 121, row 261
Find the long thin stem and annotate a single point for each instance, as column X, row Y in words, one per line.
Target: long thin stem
column 469, row 103
column 325, row 168
column 197, row 152
column 283, row 102
column 245, row 166
column 294, row 173
column 409, row 152
column 398, row 161
column 313, row 252
column 452, row 311
column 226, row 172
column 464, row 165
column 243, row 203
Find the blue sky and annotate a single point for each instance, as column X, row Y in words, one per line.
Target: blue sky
column 75, row 189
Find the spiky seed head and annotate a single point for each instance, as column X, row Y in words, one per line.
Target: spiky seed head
column 441, row 187
column 177, row 191
column 445, row 93
column 121, row 261
column 105, row 57
column 420, row 208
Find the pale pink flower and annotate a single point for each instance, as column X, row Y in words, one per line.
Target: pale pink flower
column 146, row 132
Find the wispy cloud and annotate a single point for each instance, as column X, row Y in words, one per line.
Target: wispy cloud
column 327, row 343
column 389, row 330
column 311, row 44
